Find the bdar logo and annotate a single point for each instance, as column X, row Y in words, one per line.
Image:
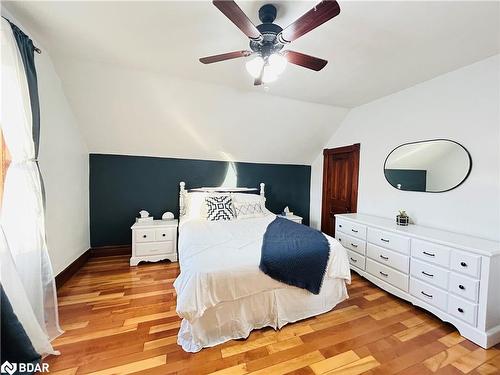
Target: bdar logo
column 8, row 368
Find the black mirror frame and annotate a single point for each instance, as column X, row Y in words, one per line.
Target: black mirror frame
column 430, row 140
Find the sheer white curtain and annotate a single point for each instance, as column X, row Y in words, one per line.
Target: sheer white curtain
column 26, row 272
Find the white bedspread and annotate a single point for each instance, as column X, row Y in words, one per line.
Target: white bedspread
column 219, row 263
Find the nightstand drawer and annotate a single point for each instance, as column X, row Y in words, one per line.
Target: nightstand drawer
column 144, row 235
column 165, row 234
column 154, row 248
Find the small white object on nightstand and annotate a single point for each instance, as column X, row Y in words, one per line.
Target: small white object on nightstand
column 153, row 241
column 295, row 218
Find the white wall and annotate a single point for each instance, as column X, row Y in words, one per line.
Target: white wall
column 63, row 160
column 463, row 106
column 135, row 112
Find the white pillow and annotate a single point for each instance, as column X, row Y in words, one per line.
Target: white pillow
column 249, row 205
column 195, row 206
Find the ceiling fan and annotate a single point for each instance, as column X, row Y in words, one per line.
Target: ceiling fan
column 268, row 39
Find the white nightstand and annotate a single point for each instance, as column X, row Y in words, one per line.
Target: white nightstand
column 295, row 218
column 154, row 241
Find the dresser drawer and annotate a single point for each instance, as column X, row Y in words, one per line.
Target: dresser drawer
column 466, row 263
column 429, row 273
column 388, row 257
column 464, row 286
column 389, row 275
column 462, row 309
column 356, row 259
column 144, row 235
column 154, row 248
column 351, row 243
column 165, row 234
column 353, row 229
column 428, row 293
column 389, row 240
column 430, row 252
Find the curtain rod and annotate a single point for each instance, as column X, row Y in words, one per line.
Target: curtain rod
column 37, row 50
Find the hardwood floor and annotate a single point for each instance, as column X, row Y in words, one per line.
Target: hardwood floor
column 122, row 320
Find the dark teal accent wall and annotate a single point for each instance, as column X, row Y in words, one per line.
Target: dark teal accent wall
column 121, row 186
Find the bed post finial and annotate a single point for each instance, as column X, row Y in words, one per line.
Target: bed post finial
column 262, row 185
column 182, row 193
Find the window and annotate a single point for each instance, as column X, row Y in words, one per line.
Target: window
column 4, row 163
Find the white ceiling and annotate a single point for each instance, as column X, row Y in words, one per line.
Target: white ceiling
column 373, row 48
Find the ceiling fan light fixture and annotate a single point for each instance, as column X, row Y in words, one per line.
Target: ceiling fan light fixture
column 269, row 75
column 277, row 63
column 254, row 66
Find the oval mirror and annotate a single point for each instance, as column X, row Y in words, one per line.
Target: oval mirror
column 431, row 166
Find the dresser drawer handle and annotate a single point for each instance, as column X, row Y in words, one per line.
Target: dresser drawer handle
column 461, row 287
column 144, row 236
column 340, row 225
column 354, row 230
column 460, row 310
column 383, row 257
column 353, row 245
column 463, row 264
column 427, row 274
column 383, row 239
column 354, row 260
column 164, row 235
column 428, row 254
column 383, row 274
column 425, row 294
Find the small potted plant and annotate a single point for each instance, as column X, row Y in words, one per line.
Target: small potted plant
column 403, row 218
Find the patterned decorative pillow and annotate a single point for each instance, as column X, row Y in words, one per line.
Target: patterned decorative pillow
column 246, row 210
column 219, row 207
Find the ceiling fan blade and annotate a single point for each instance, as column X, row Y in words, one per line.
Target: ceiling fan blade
column 232, row 11
column 322, row 12
column 306, row 61
column 224, row 56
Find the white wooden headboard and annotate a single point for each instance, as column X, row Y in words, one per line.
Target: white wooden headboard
column 183, row 191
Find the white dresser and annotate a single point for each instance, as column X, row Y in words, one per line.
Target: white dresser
column 456, row 277
column 154, row 241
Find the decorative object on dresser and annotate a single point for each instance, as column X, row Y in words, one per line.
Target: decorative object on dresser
column 295, row 218
column 402, row 219
column 153, row 241
column 454, row 276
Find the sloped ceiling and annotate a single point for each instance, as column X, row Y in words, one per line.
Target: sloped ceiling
column 131, row 73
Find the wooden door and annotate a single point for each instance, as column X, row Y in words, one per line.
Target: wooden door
column 340, row 184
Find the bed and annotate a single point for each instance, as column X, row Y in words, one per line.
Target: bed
column 221, row 292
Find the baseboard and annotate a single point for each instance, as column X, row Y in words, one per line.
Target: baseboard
column 73, row 268
column 106, row 251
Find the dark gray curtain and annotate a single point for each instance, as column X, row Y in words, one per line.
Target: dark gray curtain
column 27, row 51
column 16, row 345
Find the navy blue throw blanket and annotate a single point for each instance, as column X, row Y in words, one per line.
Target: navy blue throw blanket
column 295, row 254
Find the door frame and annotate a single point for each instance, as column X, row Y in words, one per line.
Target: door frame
column 354, row 148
